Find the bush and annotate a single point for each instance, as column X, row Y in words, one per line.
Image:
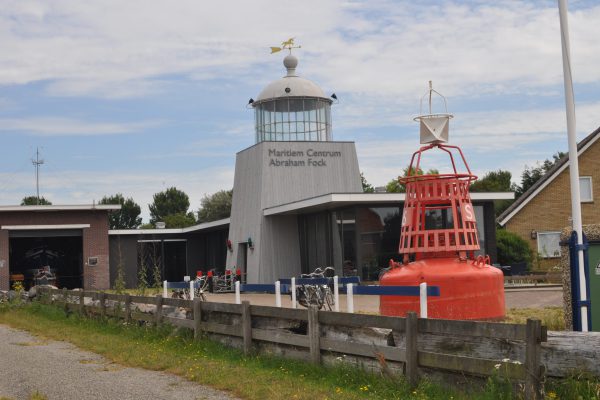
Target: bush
column 512, row 248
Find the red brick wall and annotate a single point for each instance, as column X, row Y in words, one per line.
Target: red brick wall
column 95, row 241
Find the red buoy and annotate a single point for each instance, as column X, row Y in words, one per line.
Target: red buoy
column 438, row 238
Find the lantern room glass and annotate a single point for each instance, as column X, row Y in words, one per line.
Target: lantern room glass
column 293, row 119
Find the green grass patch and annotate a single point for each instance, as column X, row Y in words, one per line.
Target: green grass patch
column 552, row 317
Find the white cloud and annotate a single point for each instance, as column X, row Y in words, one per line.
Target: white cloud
column 58, row 126
column 370, row 48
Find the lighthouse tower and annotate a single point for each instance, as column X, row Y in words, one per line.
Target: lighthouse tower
column 294, row 159
column 438, row 236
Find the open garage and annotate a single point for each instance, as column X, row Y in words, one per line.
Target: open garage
column 53, row 256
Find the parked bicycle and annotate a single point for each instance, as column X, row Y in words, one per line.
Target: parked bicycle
column 200, row 286
column 319, row 295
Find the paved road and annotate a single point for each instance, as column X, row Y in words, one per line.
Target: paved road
column 515, row 298
column 59, row 370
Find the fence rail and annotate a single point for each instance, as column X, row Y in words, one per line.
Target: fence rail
column 323, row 335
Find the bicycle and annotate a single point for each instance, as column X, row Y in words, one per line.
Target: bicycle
column 319, row 295
column 200, row 286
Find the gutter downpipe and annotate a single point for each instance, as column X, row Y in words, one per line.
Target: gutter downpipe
column 573, row 159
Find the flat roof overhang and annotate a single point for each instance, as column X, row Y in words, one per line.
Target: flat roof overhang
column 77, row 207
column 338, row 200
column 194, row 228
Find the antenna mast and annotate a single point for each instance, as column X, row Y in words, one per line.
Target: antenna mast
column 37, row 162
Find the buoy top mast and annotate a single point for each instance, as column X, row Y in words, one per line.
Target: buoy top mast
column 438, row 218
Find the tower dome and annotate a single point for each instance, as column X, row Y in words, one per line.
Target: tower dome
column 292, row 109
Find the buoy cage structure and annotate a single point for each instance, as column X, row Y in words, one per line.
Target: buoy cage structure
column 438, row 240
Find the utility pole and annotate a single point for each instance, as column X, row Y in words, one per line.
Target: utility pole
column 37, row 162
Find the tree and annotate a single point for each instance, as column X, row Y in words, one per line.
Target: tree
column 216, row 206
column 367, row 187
column 128, row 217
column 34, row 201
column 394, row 186
column 512, row 248
column 496, row 181
column 532, row 174
column 179, row 220
column 171, row 201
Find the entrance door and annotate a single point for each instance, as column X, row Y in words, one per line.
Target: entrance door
column 242, row 259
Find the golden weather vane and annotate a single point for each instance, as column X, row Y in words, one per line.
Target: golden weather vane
column 288, row 44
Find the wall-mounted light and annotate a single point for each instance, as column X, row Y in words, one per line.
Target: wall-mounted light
column 533, row 234
column 250, row 243
column 229, row 245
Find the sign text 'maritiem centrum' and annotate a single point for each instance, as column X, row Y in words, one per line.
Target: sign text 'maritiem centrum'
column 301, row 158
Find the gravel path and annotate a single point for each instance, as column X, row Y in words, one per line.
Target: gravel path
column 59, row 370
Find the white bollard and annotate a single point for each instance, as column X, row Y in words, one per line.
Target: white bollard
column 294, row 302
column 350, row 297
column 238, row 298
column 192, row 291
column 423, row 299
column 277, row 294
column 336, row 293
column 165, row 283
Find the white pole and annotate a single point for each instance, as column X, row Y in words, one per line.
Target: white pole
column 294, row 302
column 192, row 290
column 165, row 288
column 336, row 293
column 423, row 300
column 238, row 298
column 277, row 294
column 573, row 160
column 349, row 298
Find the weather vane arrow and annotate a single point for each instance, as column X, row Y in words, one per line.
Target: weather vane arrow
column 288, row 44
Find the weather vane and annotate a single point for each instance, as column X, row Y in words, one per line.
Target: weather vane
column 288, row 44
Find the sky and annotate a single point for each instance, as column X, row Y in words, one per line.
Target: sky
column 138, row 96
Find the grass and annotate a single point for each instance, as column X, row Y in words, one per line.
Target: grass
column 552, row 317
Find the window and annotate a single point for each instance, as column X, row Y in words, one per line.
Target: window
column 585, row 189
column 548, row 244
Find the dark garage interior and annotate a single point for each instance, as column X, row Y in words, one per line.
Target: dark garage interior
column 61, row 252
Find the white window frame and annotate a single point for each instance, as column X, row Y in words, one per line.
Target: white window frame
column 540, row 251
column 591, row 199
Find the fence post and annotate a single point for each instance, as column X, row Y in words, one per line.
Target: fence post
column 412, row 359
column 423, row 299
column 246, row 325
column 336, row 293
column 314, row 334
column 81, row 303
column 165, row 293
column 159, row 304
column 197, row 307
column 350, row 298
column 102, row 304
column 533, row 380
column 127, row 308
column 294, row 300
column 238, row 297
column 65, row 297
column 277, row 294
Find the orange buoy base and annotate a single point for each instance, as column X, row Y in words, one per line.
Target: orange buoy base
column 468, row 290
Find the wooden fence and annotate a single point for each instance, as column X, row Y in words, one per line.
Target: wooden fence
column 414, row 345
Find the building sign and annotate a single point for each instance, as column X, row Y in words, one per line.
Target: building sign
column 301, row 158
